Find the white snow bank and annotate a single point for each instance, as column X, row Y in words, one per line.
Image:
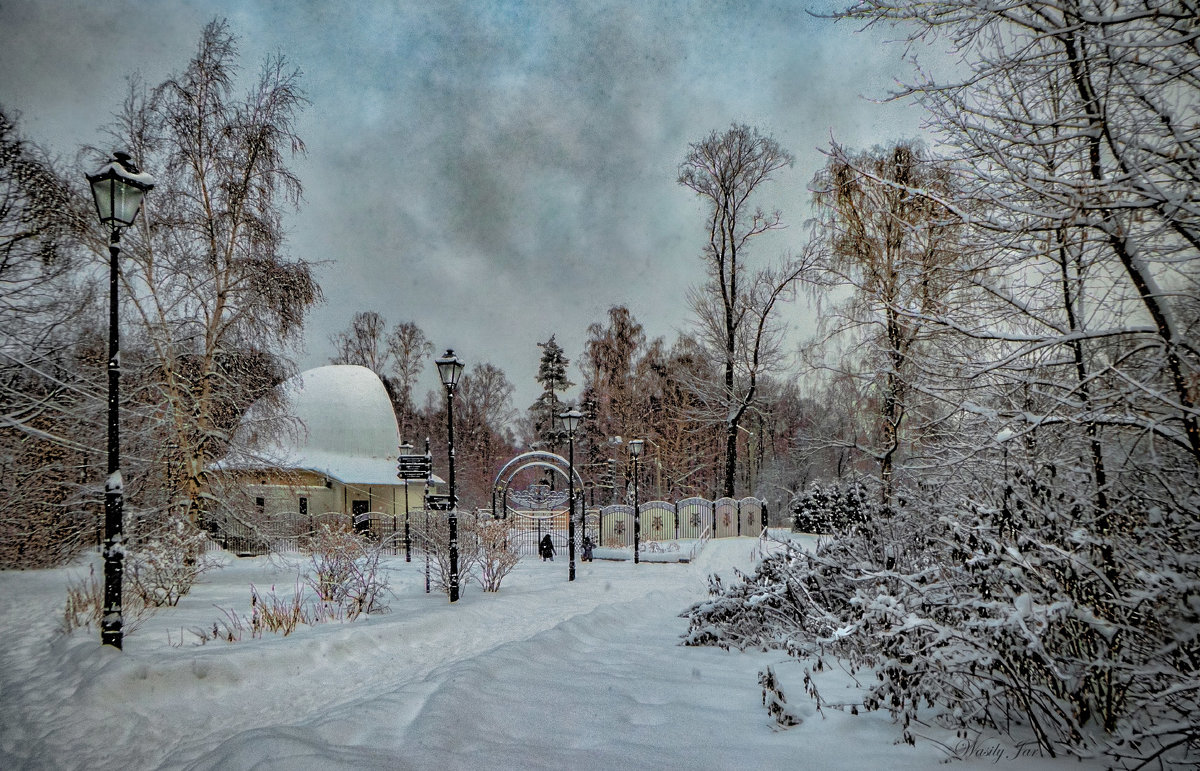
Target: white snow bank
column 544, row 674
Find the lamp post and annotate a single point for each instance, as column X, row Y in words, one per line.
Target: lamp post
column 570, row 421
column 425, row 506
column 635, row 450
column 450, row 369
column 117, row 189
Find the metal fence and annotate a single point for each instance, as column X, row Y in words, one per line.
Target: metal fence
column 613, row 526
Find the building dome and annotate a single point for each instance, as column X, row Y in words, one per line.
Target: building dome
column 344, row 427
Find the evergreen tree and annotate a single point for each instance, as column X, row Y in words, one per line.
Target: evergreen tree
column 552, row 375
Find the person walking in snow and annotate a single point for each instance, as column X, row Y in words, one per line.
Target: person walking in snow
column 546, row 548
column 587, row 548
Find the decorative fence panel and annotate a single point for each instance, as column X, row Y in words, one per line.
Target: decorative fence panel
column 658, row 521
column 280, row 532
column 695, row 515
column 616, row 528
column 726, row 510
column 753, row 516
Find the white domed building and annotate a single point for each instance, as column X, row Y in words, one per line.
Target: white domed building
column 336, row 452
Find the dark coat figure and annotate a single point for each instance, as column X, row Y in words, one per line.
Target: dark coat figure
column 546, row 548
column 587, row 548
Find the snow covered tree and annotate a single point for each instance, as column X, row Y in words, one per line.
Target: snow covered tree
column 734, row 307
column 881, row 231
column 48, row 405
column 215, row 295
column 1037, row 573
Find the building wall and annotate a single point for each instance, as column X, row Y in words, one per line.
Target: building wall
column 281, row 492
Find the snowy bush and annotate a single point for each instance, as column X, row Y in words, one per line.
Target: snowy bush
column 343, row 574
column 344, row 571
column 774, row 700
column 831, row 507
column 498, row 553
column 1020, row 609
column 163, row 564
column 434, row 539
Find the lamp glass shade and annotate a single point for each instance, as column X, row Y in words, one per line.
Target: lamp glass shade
column 571, row 420
column 450, row 368
column 635, row 447
column 117, row 190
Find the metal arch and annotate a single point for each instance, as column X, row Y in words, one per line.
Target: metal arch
column 532, row 459
column 530, row 464
column 539, row 454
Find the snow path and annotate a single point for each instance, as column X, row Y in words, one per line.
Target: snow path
column 544, row 674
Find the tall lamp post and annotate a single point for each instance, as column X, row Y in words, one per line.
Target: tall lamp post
column 117, row 189
column 450, row 369
column 635, row 450
column 570, row 421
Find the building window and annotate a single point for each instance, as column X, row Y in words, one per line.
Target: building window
column 303, row 506
column 259, row 505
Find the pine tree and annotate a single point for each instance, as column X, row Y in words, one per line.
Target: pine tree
column 552, row 375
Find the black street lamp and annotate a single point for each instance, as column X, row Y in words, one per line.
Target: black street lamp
column 570, row 421
column 450, row 369
column 635, row 450
column 117, row 189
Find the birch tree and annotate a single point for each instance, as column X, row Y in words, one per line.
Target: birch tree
column 215, row 294
column 734, row 307
column 881, row 232
column 397, row 357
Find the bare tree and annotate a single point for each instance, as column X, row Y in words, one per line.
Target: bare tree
column 363, row 344
column 483, row 427
column 50, row 410
column 409, row 349
column 397, row 357
column 208, row 277
column 734, row 307
column 880, row 231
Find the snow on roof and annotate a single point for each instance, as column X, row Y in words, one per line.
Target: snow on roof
column 346, row 428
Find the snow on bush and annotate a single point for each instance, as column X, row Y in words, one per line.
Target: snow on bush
column 344, row 578
column 498, row 552
column 163, row 564
column 831, row 507
column 433, row 536
column 344, row 571
column 1022, row 610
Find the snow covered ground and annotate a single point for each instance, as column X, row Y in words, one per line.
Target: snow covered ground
column 544, row 674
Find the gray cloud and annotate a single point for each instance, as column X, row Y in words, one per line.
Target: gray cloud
column 495, row 171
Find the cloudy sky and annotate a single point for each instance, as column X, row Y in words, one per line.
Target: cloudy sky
column 497, row 171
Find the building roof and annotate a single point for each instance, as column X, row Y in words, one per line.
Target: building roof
column 344, row 428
